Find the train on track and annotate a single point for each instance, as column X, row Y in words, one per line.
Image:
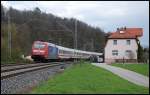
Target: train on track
column 45, row 51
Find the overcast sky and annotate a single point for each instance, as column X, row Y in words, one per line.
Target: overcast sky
column 108, row 15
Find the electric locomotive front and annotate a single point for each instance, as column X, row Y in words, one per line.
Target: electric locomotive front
column 39, row 51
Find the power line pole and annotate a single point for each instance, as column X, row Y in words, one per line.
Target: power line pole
column 76, row 44
column 60, row 41
column 92, row 45
column 9, row 32
column 75, row 38
column 75, row 34
column 9, row 36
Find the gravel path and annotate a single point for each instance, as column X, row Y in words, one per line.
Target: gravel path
column 131, row 76
column 22, row 83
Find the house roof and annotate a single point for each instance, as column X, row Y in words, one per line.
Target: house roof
column 127, row 33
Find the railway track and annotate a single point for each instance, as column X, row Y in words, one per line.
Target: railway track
column 14, row 70
column 15, row 64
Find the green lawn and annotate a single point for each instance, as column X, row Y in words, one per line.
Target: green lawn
column 87, row 78
column 139, row 68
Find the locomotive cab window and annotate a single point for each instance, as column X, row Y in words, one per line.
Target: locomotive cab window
column 39, row 45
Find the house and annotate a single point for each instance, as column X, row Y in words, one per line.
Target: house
column 122, row 45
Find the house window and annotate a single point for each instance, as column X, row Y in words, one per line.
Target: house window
column 115, row 42
column 128, row 42
column 128, row 52
column 114, row 52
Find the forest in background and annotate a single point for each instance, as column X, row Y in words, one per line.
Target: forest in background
column 28, row 26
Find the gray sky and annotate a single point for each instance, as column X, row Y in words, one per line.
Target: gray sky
column 108, row 15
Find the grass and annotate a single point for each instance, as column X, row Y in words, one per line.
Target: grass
column 139, row 68
column 86, row 78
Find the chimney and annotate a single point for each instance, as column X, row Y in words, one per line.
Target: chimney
column 117, row 29
column 125, row 28
column 122, row 30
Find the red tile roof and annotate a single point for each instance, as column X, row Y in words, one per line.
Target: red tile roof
column 135, row 31
column 127, row 33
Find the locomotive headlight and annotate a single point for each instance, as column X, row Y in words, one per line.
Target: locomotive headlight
column 42, row 51
column 35, row 50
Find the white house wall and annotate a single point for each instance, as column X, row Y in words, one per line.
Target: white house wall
column 121, row 47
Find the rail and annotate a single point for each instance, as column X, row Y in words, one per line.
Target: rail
column 10, row 71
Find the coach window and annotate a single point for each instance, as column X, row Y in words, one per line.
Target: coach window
column 67, row 52
column 60, row 51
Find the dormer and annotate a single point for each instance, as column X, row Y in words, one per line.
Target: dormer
column 121, row 31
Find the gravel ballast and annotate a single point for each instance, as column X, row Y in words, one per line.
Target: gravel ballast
column 23, row 82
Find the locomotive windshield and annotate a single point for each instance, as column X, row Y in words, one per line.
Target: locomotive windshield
column 39, row 45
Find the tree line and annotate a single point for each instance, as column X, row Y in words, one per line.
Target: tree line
column 28, row 26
